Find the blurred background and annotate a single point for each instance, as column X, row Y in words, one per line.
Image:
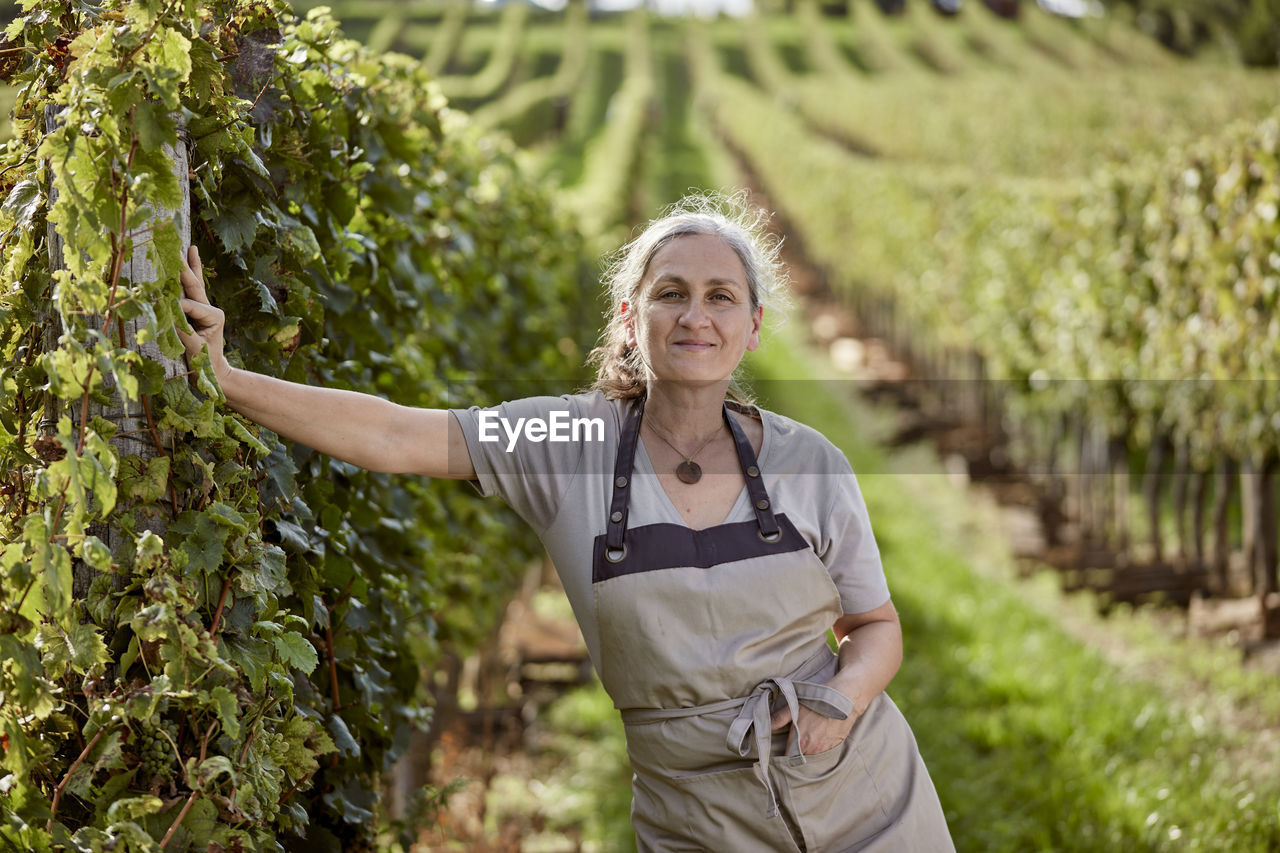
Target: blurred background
column 1036, row 261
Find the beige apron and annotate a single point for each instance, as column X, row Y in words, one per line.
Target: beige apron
column 703, row 634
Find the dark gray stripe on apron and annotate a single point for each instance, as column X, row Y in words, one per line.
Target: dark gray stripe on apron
column 668, row 546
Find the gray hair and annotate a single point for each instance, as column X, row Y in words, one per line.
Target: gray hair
column 620, row 373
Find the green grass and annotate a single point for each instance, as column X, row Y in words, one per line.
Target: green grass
column 589, row 105
column 1033, row 739
column 787, row 34
column 536, row 110
column 604, row 200
column 675, row 161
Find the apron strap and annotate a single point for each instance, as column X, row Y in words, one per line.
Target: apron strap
column 615, row 533
column 760, row 502
column 754, row 721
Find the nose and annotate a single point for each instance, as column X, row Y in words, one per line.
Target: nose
column 694, row 315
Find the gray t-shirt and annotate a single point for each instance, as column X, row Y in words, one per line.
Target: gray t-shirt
column 559, row 478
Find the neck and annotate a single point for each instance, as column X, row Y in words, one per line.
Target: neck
column 687, row 413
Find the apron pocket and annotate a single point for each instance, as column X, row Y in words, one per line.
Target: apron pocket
column 729, row 806
column 838, row 796
column 817, row 764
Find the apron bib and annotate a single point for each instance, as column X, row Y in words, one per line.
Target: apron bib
column 703, row 634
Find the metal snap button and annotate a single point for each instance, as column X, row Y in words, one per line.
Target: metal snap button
column 621, row 482
column 762, row 505
column 617, row 516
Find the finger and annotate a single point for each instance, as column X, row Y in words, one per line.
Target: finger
column 193, row 282
column 193, row 260
column 187, row 333
column 193, row 285
column 190, row 340
column 201, row 314
column 780, row 719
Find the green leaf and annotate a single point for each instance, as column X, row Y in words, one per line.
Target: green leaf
column 204, row 547
column 306, row 740
column 206, row 71
column 214, row 768
column 227, row 517
column 133, row 808
column 148, row 549
column 253, row 657
column 272, row 573
column 172, row 51
column 114, row 786
column 88, row 652
column 355, row 802
column 96, row 554
column 97, row 471
column 144, row 480
column 154, row 125
column 296, row 650
column 342, row 739
column 147, row 701
column 51, row 564
column 110, row 756
column 235, row 228
column 293, row 536
column 130, row 655
column 202, row 822
column 23, row 202
column 241, row 432
column 55, row 653
column 228, row 710
column 103, row 427
column 166, row 251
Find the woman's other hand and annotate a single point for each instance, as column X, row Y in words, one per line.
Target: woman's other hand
column 817, row 733
column 870, row 654
column 207, row 321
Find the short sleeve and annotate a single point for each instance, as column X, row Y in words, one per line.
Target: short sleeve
column 849, row 548
column 527, row 451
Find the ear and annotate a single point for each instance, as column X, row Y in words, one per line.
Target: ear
column 753, row 339
column 629, row 323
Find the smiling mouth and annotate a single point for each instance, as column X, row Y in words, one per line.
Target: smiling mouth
column 694, row 344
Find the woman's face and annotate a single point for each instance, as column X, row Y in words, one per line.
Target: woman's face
column 692, row 319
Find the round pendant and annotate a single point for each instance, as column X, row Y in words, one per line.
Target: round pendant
column 689, row 472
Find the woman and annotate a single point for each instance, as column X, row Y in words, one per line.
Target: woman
column 706, row 548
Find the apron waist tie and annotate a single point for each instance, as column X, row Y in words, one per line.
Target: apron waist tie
column 755, row 714
column 754, row 720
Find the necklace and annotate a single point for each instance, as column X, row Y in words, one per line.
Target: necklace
column 688, row 471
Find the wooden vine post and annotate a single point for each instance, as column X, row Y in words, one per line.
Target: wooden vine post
column 1265, row 545
column 137, row 434
column 1224, row 475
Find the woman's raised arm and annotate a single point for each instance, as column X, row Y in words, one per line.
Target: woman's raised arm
column 361, row 429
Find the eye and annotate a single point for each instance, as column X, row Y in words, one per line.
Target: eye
column 722, row 296
column 667, row 294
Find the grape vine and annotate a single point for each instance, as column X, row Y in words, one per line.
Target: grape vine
column 217, row 644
